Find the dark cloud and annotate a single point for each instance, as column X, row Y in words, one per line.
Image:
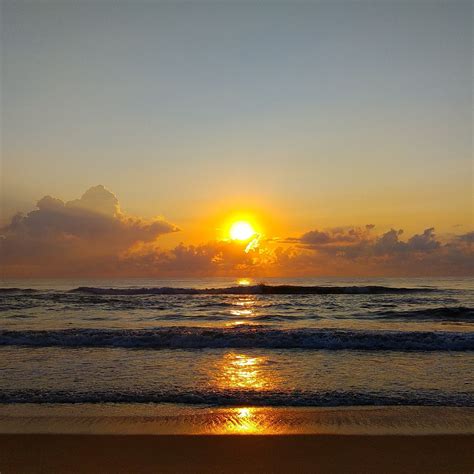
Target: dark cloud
column 360, row 251
column 425, row 242
column 357, row 241
column 336, row 235
column 315, row 237
column 391, row 243
column 469, row 237
column 213, row 258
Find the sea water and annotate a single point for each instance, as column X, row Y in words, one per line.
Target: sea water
column 225, row 343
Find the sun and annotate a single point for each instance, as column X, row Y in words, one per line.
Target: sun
column 241, row 230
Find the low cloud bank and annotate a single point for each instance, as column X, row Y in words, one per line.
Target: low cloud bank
column 91, row 236
column 361, row 251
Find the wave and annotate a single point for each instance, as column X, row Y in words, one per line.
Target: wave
column 182, row 337
column 457, row 313
column 18, row 290
column 240, row 397
column 251, row 290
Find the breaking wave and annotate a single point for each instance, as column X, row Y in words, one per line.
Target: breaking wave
column 178, row 337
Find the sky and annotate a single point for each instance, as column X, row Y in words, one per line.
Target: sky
column 331, row 126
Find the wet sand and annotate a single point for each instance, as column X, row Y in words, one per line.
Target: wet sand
column 174, row 439
column 53, row 453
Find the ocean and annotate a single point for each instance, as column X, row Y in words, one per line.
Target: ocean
column 227, row 343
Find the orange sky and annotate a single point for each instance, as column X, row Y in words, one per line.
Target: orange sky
column 93, row 236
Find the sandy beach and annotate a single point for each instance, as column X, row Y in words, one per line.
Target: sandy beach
column 168, row 438
column 235, row 453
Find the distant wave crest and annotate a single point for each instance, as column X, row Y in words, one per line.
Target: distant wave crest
column 178, row 337
column 251, row 290
column 17, row 290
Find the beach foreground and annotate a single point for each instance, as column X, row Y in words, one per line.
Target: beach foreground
column 169, row 438
column 29, row 453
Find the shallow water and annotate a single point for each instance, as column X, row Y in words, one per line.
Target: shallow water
column 317, row 342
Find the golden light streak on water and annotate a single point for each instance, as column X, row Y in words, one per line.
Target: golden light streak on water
column 244, row 421
column 238, row 371
column 242, row 312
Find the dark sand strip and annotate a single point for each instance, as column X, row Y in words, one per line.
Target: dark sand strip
column 25, row 453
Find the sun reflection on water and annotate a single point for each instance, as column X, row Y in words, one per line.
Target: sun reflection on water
column 240, row 371
column 246, row 421
column 243, row 372
column 242, row 312
column 243, row 307
column 243, row 421
column 237, row 323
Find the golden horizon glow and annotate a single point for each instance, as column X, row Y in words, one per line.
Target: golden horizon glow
column 243, row 282
column 241, row 230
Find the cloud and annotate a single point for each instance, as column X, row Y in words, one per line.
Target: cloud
column 469, row 237
column 215, row 258
column 357, row 241
column 360, row 251
column 336, row 235
column 390, row 243
column 338, row 251
column 78, row 234
column 92, row 236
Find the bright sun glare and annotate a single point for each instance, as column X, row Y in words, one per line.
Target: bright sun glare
column 241, row 230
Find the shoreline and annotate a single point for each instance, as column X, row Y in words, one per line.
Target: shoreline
column 172, row 419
